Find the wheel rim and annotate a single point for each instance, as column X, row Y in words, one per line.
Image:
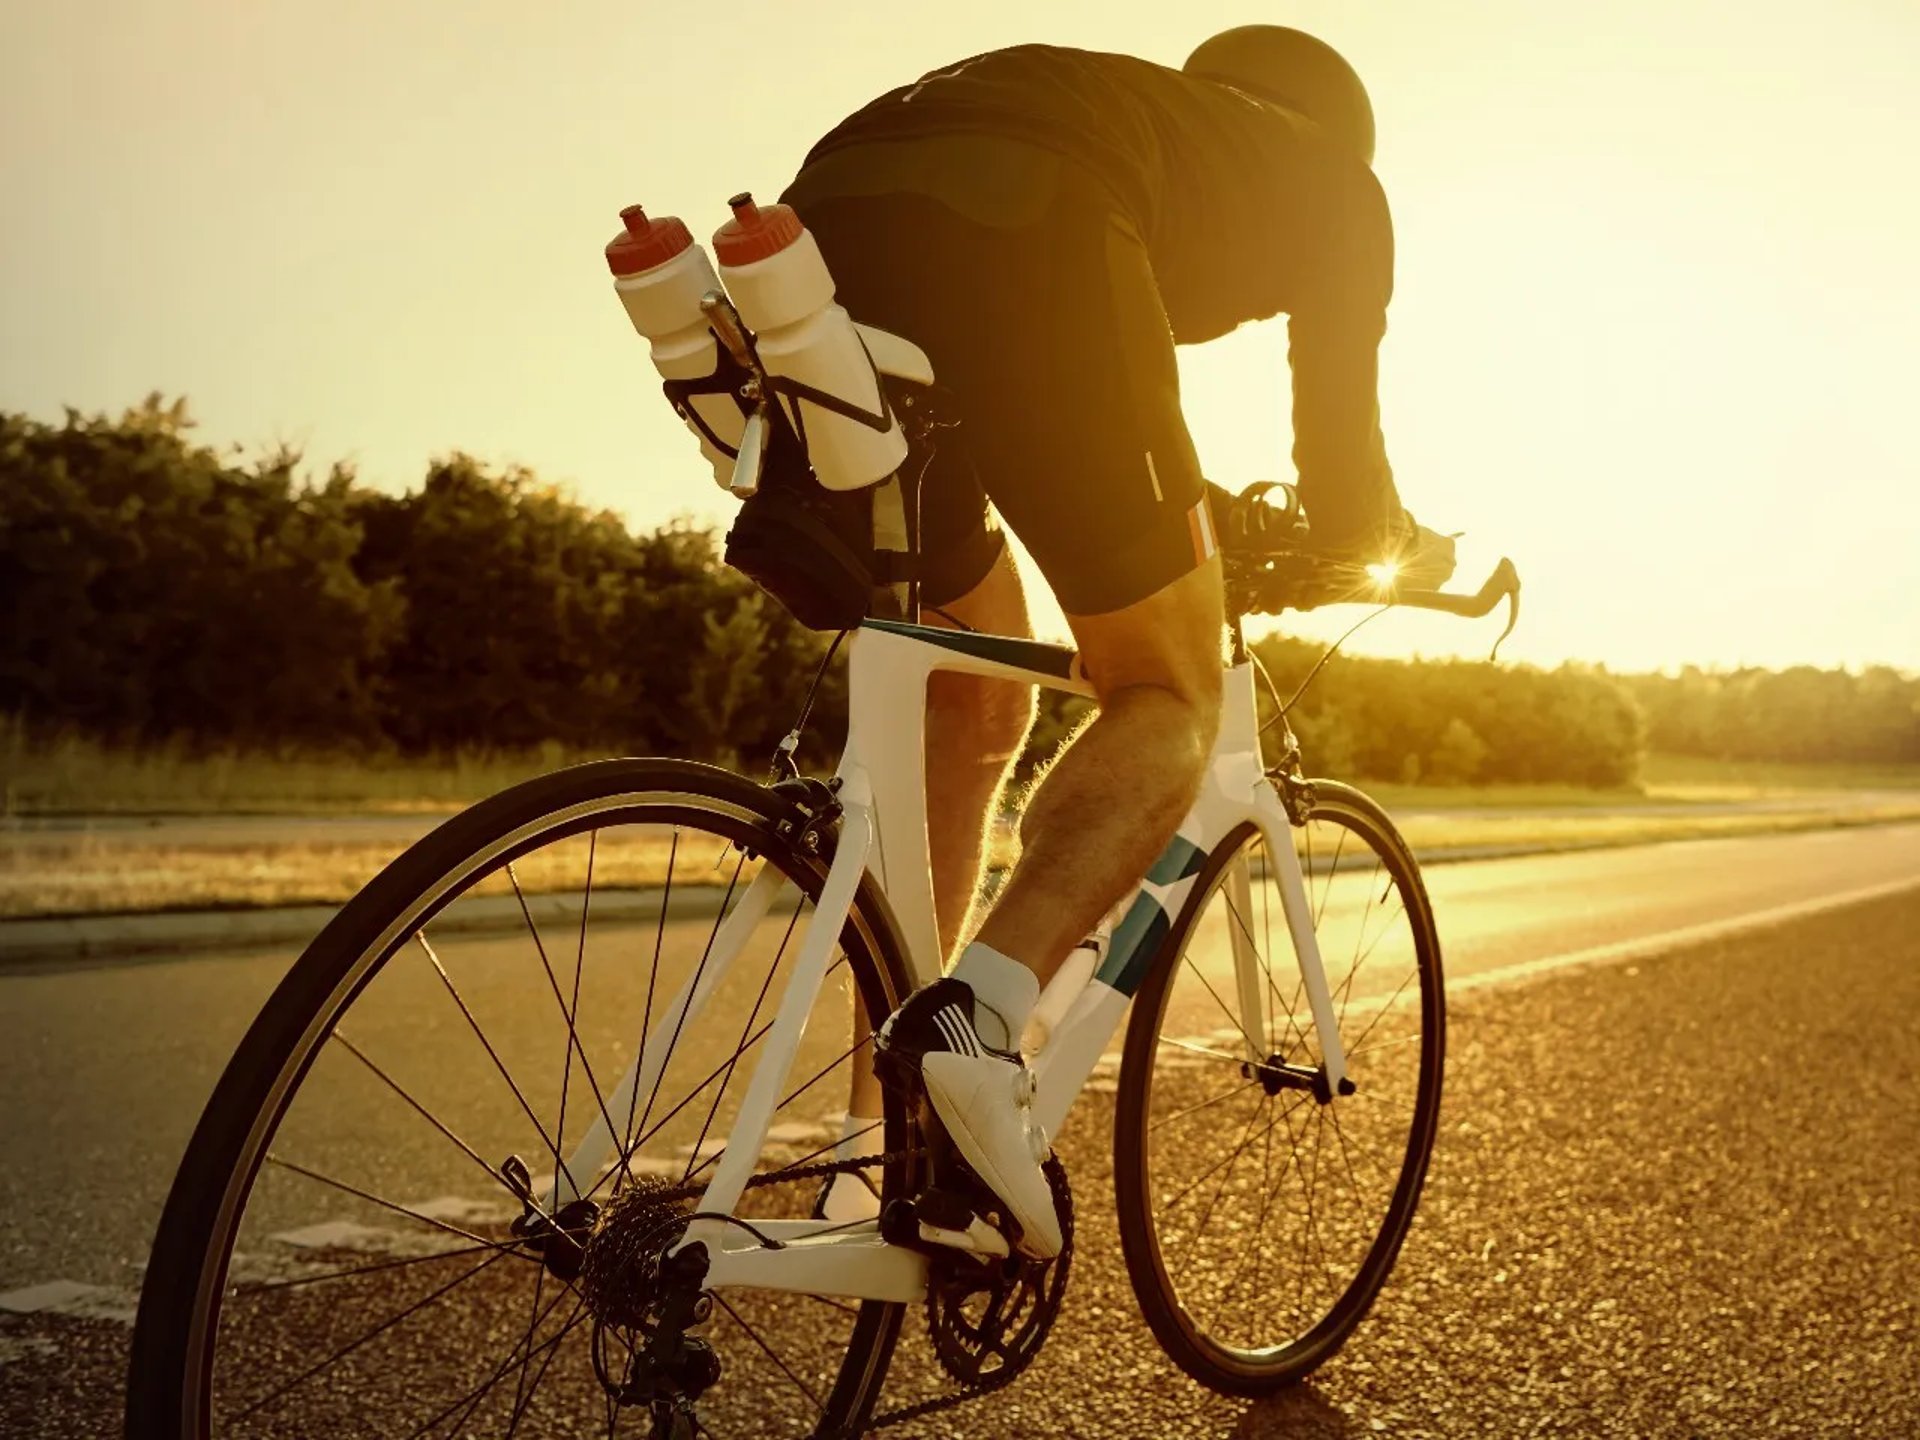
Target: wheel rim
column 1274, row 1212
column 375, row 1284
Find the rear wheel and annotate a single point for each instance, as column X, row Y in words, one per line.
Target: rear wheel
column 1259, row 1217
column 348, row 1250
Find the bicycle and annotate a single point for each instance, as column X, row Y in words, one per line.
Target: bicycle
column 667, row 1233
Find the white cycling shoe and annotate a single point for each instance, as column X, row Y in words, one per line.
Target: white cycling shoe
column 984, row 1098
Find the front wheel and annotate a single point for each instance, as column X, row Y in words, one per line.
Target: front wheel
column 1260, row 1216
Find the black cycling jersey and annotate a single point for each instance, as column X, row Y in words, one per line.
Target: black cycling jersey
column 1245, row 210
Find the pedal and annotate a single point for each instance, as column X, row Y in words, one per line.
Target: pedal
column 942, row 1222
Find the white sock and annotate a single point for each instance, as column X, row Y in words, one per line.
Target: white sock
column 1005, row 991
column 860, row 1135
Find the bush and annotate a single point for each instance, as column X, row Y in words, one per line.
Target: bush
column 155, row 591
column 1458, row 721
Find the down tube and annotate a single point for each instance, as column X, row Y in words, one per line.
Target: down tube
column 1084, row 1032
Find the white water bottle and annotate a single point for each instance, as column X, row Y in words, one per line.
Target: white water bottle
column 780, row 284
column 660, row 276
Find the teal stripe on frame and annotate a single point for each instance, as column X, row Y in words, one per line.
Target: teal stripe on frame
column 1180, row 859
column 1136, row 941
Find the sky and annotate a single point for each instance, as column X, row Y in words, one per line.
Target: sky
column 1656, row 330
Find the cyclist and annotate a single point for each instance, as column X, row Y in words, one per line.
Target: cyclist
column 1048, row 223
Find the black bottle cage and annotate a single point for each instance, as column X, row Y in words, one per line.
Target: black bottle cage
column 729, row 378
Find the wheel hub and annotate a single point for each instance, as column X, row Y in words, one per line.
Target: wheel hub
column 559, row 1240
column 1275, row 1074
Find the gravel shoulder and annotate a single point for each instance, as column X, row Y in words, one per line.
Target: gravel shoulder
column 1678, row 1197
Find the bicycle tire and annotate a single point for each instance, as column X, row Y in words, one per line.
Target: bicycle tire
column 1255, row 1370
column 172, row 1357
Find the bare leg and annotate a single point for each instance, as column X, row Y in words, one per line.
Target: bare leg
column 975, row 729
column 1112, row 801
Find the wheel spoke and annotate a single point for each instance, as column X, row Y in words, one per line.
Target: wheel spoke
column 755, row 1336
column 1233, row 1162
column 398, row 1209
column 339, row 1037
column 1414, row 1038
column 1239, row 1089
column 1346, row 986
column 740, row 1049
column 693, row 988
column 1391, row 1001
column 1293, row 1024
column 553, row 984
column 470, row 1402
column 627, row 1145
column 522, row 1404
column 1313, row 1187
column 420, row 936
column 1211, row 1054
column 1208, row 986
column 241, row 1292
column 1214, row 1168
column 833, row 1064
column 570, row 1012
column 385, row 1325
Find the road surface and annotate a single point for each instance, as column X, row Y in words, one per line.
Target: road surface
column 1677, row 1194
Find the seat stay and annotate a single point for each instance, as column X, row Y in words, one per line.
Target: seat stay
column 597, row 1148
column 747, row 1137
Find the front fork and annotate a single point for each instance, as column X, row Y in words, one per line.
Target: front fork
column 1279, row 805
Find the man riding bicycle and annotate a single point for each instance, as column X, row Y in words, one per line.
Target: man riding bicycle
column 1048, row 223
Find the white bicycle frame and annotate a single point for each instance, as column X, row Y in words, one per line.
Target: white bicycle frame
column 883, row 832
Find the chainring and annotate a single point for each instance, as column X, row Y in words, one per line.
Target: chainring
column 988, row 1319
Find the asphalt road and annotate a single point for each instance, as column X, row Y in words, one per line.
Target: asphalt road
column 1674, row 1195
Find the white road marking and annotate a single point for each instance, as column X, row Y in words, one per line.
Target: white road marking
column 25, row 1347
column 70, row 1297
column 1647, row 946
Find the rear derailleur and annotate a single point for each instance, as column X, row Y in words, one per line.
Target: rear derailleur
column 644, row 1295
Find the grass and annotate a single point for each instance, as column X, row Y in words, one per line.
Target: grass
column 1688, row 775
column 85, row 875
column 69, row 775
column 199, row 864
column 63, row 873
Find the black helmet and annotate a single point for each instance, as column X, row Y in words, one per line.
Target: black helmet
column 1293, row 69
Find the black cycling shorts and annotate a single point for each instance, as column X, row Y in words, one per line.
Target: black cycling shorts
column 1032, row 294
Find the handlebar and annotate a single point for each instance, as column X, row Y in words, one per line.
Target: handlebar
column 1301, row 580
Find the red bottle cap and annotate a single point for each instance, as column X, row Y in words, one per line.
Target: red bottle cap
column 646, row 243
column 755, row 233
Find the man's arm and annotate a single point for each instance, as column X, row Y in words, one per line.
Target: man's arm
column 1336, row 323
column 1339, row 453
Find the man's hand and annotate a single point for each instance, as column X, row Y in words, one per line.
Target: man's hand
column 1425, row 557
column 1250, row 521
